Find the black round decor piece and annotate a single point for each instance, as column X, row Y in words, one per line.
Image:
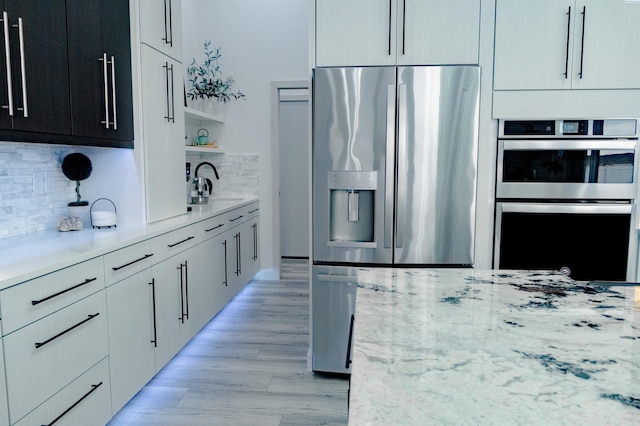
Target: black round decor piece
column 76, row 166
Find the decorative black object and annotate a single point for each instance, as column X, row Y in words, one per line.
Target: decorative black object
column 77, row 166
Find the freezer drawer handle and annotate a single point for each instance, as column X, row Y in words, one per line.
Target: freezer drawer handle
column 180, row 242
column 93, row 388
column 348, row 362
column 49, row 340
column 116, row 268
column 87, row 281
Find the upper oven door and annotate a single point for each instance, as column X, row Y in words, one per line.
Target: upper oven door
column 566, row 169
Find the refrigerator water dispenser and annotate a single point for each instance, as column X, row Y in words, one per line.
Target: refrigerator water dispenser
column 351, row 206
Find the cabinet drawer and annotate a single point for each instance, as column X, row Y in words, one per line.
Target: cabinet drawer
column 48, row 354
column 127, row 261
column 174, row 242
column 213, row 226
column 90, row 394
column 34, row 299
column 242, row 214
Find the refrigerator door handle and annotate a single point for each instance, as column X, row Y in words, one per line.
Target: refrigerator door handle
column 402, row 163
column 390, row 164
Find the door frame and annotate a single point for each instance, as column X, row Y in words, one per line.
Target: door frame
column 276, row 87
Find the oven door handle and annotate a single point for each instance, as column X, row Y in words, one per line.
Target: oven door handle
column 513, row 145
column 565, row 208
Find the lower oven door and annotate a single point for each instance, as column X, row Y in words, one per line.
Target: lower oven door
column 592, row 240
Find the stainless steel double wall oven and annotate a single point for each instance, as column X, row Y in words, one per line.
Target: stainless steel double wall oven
column 565, row 192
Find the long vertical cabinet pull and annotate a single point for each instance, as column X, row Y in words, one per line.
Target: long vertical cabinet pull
column 23, row 72
column 389, row 46
column 166, row 77
column 106, row 89
column 168, row 27
column 584, row 16
column 7, row 57
column 566, row 59
column 186, row 287
column 237, row 238
column 181, row 319
column 113, row 93
column 170, row 117
column 255, row 241
column 173, row 97
column 226, row 277
column 153, row 302
column 404, row 22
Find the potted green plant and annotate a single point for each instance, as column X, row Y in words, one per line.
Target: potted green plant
column 207, row 81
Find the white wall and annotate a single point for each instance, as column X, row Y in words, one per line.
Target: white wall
column 262, row 41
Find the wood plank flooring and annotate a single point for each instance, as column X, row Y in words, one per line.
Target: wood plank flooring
column 248, row 366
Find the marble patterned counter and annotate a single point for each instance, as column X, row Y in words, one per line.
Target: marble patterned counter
column 469, row 347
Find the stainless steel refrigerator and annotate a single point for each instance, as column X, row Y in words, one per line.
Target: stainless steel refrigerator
column 394, row 183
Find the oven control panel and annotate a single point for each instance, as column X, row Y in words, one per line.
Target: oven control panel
column 605, row 128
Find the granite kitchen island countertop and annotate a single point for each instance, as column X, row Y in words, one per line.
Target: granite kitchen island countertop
column 470, row 347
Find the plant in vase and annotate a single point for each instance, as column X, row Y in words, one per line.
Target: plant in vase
column 208, row 82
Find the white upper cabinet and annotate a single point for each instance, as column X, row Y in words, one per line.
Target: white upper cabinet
column 403, row 32
column 581, row 44
column 161, row 26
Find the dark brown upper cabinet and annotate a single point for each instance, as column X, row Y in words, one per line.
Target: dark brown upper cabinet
column 65, row 72
column 100, row 69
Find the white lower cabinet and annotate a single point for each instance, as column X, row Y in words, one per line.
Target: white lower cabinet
column 131, row 336
column 172, row 305
column 75, row 352
column 4, row 408
column 85, row 401
column 48, row 354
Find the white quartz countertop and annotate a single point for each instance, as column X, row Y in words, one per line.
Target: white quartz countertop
column 28, row 256
column 470, row 347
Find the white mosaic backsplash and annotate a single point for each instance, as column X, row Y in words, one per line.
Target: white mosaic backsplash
column 33, row 189
column 239, row 174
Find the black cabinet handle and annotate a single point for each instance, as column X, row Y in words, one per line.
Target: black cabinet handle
column 87, row 281
column 173, row 97
column 215, row 227
column 239, row 217
column 186, row 286
column 93, row 388
column 348, row 363
column 226, row 279
column 166, row 74
column 146, row 256
column 49, row 340
column 254, row 210
column 566, row 59
column 180, row 242
column 389, row 48
column 181, row 319
column 238, row 254
column 255, row 241
column 404, row 22
column 166, row 38
column 153, row 300
column 584, row 16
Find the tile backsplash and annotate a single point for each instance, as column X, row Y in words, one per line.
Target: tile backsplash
column 33, row 189
column 239, row 174
column 34, row 192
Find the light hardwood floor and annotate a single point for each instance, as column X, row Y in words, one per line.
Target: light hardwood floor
column 248, row 366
